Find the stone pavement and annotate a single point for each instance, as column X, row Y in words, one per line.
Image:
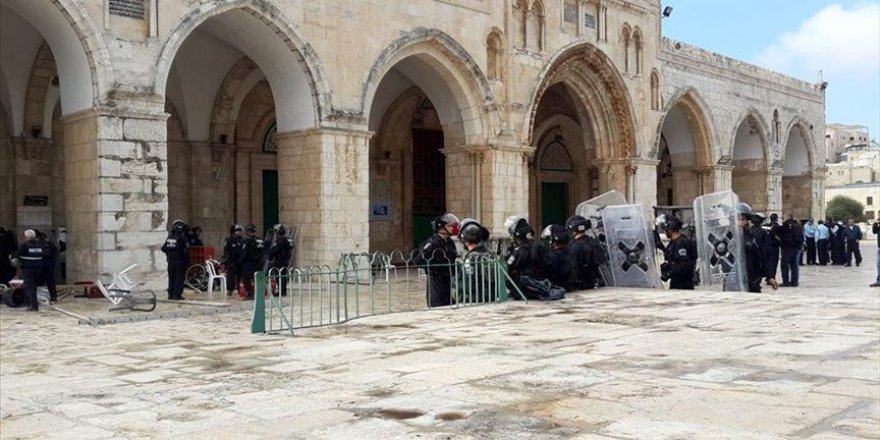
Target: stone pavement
column 611, row 364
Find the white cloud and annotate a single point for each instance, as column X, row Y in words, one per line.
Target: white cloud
column 842, row 42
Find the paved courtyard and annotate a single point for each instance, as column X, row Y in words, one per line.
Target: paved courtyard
column 798, row 363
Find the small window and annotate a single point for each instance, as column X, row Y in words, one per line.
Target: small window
column 870, row 201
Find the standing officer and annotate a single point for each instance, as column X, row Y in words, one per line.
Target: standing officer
column 853, row 235
column 232, row 257
column 756, row 260
column 681, row 257
column 478, row 280
column 438, row 253
column 30, row 256
column 252, row 254
column 775, row 243
column 822, row 235
column 810, row 236
column 176, row 249
column 50, row 260
column 559, row 265
column 527, row 256
column 838, row 243
column 279, row 255
column 586, row 252
column 792, row 239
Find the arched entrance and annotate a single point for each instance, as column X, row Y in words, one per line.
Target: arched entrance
column 797, row 176
column 751, row 175
column 581, row 126
column 685, row 150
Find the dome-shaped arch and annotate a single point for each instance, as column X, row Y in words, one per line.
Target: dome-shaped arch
column 445, row 69
column 705, row 135
column 803, row 128
column 290, row 64
column 762, row 131
column 601, row 92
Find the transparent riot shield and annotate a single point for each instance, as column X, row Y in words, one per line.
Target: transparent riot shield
column 719, row 242
column 592, row 211
column 630, row 247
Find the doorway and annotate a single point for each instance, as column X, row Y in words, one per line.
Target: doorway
column 270, row 199
column 554, row 203
column 429, row 181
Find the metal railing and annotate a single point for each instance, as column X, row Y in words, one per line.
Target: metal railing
column 363, row 285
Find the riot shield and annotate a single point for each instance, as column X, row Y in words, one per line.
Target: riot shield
column 592, row 211
column 719, row 242
column 630, row 247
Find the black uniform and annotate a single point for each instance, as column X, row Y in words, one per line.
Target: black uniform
column 838, row 244
column 527, row 259
column 757, row 267
column 232, row 256
column 588, row 256
column 681, row 261
column 560, row 267
column 252, row 253
column 279, row 257
column 776, row 231
column 478, row 277
column 176, row 252
column 438, row 255
column 47, row 275
column 30, row 255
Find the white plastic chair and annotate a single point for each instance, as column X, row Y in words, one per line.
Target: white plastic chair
column 211, row 266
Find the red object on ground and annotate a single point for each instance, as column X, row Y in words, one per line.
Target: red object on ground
column 90, row 290
column 242, row 292
column 198, row 254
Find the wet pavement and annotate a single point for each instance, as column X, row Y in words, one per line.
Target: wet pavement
column 797, row 363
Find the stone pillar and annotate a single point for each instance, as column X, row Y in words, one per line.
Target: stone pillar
column 460, row 184
column 643, row 184
column 774, row 191
column 818, row 189
column 687, row 183
column 717, row 178
column 504, row 185
column 117, row 191
column 612, row 175
column 324, row 193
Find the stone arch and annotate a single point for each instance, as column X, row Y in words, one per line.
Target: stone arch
column 83, row 60
column 762, row 131
column 41, row 81
column 289, row 62
column 702, row 126
column 445, row 68
column 801, row 126
column 240, row 80
column 798, row 163
column 751, row 158
column 600, row 89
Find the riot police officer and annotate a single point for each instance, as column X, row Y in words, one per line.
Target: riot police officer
column 232, row 257
column 30, row 257
column 176, row 249
column 559, row 265
column 252, row 254
column 279, row 254
column 50, row 260
column 757, row 265
column 478, row 273
column 438, row 254
column 761, row 235
column 586, row 252
column 526, row 258
column 680, row 255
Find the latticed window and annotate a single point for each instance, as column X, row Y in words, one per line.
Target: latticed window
column 555, row 158
column 269, row 145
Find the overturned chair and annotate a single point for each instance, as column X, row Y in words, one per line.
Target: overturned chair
column 125, row 294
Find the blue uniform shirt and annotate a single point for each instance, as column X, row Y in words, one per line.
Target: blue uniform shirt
column 809, row 230
column 822, row 232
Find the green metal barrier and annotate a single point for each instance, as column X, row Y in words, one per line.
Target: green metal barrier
column 367, row 285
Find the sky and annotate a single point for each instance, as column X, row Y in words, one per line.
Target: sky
column 798, row 38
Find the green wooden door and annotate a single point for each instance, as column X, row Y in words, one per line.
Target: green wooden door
column 554, row 203
column 429, row 182
column 270, row 199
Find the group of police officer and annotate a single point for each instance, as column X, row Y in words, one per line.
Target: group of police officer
column 570, row 256
column 243, row 256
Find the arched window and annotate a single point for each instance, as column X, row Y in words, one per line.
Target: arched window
column 637, row 42
column 269, row 145
column 536, row 26
column 520, row 16
column 494, row 56
column 625, row 36
column 655, row 90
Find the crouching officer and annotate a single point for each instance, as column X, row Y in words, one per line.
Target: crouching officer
column 232, row 257
column 252, row 253
column 527, row 256
column 758, row 265
column 680, row 255
column 478, row 277
column 586, row 252
column 438, row 254
column 176, row 251
column 559, row 265
column 30, row 257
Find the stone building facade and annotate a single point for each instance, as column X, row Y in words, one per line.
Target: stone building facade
column 357, row 121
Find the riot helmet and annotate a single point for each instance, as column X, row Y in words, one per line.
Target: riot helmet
column 473, row 232
column 559, row 235
column 758, row 218
column 547, row 233
column 744, row 210
column 672, row 223
column 250, row 229
column 518, row 227
column 577, row 224
column 446, row 219
column 280, row 230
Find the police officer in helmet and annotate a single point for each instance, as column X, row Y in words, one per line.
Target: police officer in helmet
column 586, row 252
column 279, row 254
column 758, row 266
column 527, row 255
column 252, row 254
column 30, row 258
column 559, row 265
column 478, row 276
column 176, row 251
column 232, row 257
column 680, row 255
column 438, row 254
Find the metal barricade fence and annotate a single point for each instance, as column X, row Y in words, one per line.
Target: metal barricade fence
column 370, row 284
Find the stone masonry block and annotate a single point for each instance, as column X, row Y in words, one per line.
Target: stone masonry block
column 110, row 167
column 144, row 130
column 110, row 202
column 121, row 185
column 120, row 149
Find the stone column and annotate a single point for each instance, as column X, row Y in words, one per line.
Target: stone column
column 643, row 189
column 717, row 178
column 117, row 191
column 505, row 185
column 612, row 175
column 818, row 189
column 460, row 184
column 774, row 191
column 324, row 193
